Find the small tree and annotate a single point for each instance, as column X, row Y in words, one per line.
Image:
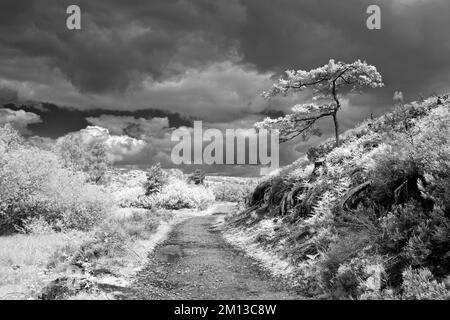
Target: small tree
column 97, row 161
column 398, row 98
column 91, row 158
column 156, row 179
column 9, row 138
column 327, row 84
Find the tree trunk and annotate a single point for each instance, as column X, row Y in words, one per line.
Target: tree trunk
column 338, row 105
column 336, row 128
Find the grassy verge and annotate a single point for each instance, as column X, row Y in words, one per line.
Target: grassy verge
column 25, row 260
column 76, row 264
column 97, row 263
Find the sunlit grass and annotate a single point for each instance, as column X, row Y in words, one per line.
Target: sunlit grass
column 24, row 258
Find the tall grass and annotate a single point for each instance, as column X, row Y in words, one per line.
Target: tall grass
column 24, row 259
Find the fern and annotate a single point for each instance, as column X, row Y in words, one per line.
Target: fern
column 323, row 209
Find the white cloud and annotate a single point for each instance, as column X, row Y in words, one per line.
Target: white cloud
column 19, row 119
column 123, row 149
column 119, row 147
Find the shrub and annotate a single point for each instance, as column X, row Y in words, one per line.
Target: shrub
column 103, row 243
column 418, row 158
column 156, row 179
column 9, row 138
column 79, row 155
column 421, row 285
column 198, row 177
column 394, row 179
column 37, row 226
column 135, row 223
column 125, row 186
column 34, row 184
column 113, row 236
column 418, row 238
column 344, row 263
column 362, row 275
column 24, row 173
column 232, row 191
column 178, row 194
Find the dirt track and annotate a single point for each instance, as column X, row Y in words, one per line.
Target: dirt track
column 195, row 262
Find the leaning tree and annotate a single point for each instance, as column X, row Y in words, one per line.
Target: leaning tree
column 327, row 83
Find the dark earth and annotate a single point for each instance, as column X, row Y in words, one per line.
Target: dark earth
column 195, row 262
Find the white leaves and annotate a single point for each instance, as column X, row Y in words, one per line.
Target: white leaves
column 398, row 98
column 331, row 64
column 325, row 82
column 332, row 75
column 300, row 122
column 305, row 108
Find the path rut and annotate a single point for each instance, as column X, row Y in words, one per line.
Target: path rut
column 195, row 262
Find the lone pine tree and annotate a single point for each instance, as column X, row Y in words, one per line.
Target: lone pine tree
column 327, row 83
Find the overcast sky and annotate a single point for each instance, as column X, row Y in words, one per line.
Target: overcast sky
column 206, row 59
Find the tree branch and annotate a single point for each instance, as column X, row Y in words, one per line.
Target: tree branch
column 315, row 117
column 307, row 84
column 297, row 132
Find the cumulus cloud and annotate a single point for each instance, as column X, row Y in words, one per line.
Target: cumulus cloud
column 123, row 149
column 150, row 139
column 118, row 147
column 19, row 119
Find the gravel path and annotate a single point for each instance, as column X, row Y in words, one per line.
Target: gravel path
column 195, row 262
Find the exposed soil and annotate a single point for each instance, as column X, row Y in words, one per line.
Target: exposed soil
column 195, row 262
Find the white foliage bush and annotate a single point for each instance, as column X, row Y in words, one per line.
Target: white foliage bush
column 126, row 186
column 432, row 131
column 34, row 184
column 178, row 194
column 421, row 285
column 232, row 189
column 127, row 189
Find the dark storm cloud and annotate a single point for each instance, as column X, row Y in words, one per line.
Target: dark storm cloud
column 211, row 59
column 121, row 41
column 411, row 50
column 7, row 95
